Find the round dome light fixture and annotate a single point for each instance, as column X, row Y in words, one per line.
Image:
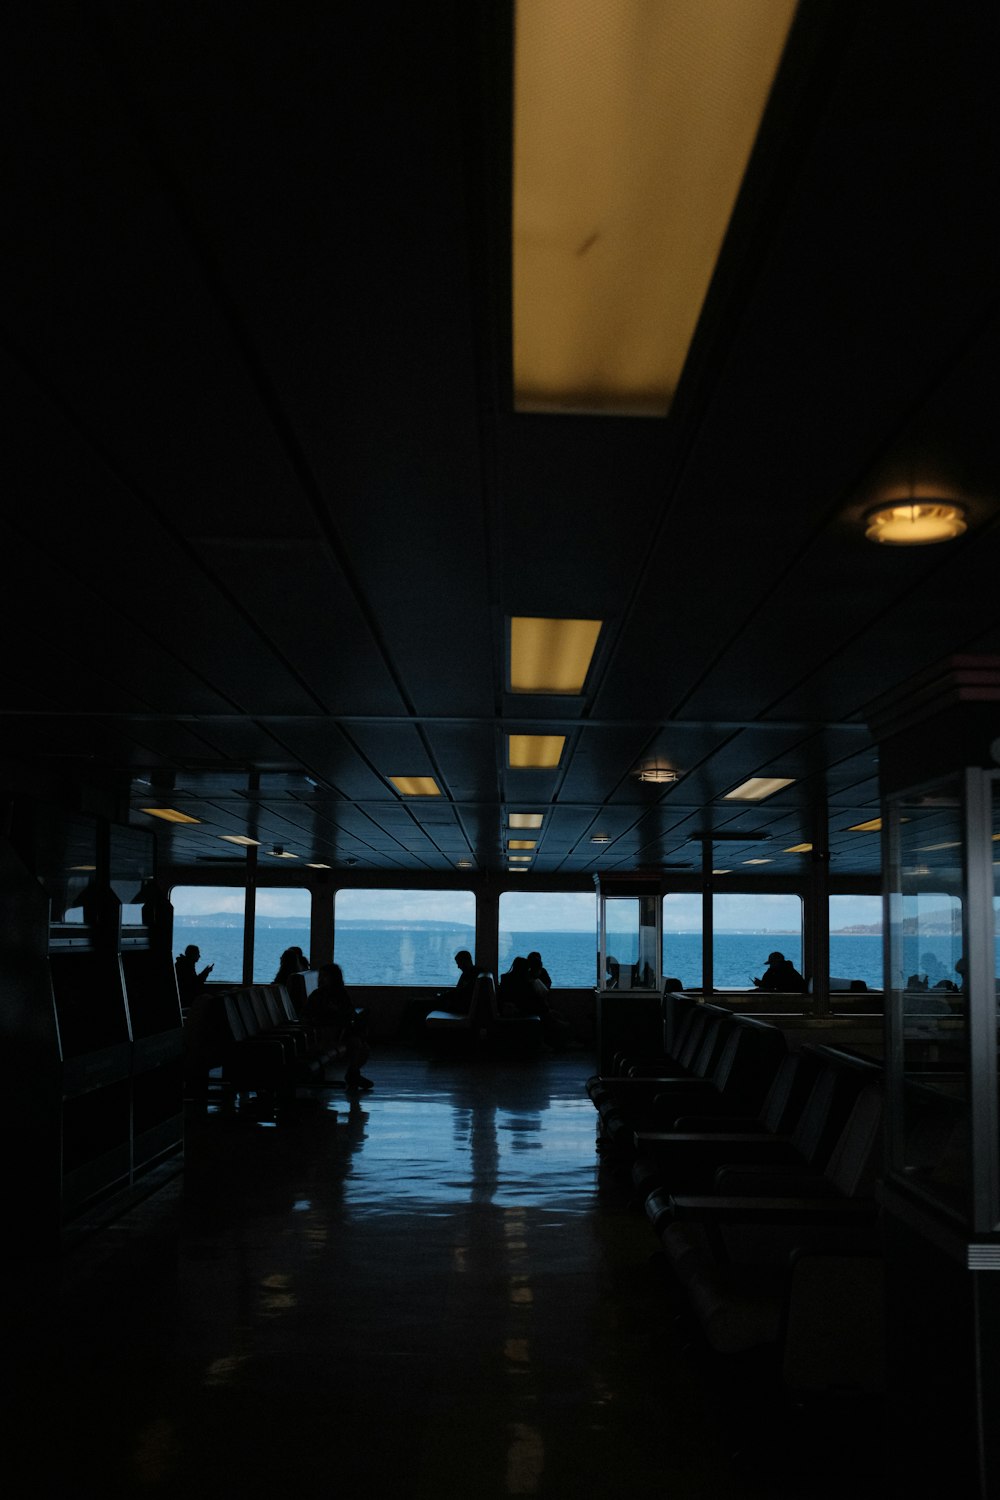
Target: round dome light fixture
column 915, row 523
column 661, row 775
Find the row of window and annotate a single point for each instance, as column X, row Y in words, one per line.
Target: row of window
column 406, row 937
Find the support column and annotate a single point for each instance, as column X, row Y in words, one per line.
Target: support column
column 707, row 923
column 249, row 914
column 818, row 911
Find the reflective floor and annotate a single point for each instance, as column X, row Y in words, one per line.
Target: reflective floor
column 429, row 1292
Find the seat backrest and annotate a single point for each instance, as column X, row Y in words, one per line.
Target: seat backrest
column 750, row 1057
column 234, row 1016
column 284, row 1002
column 249, row 1011
column 677, row 1012
column 825, row 1112
column 712, row 1041
column 856, row 1158
column 257, row 997
column 789, row 1090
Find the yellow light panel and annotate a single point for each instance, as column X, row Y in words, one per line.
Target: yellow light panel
column 549, row 655
column 534, row 752
column 521, row 843
column 757, row 788
column 525, row 820
column 799, row 849
column 633, row 125
column 874, row 825
column 758, row 861
column 169, row 815
column 240, row 838
column 416, row 786
column 519, row 859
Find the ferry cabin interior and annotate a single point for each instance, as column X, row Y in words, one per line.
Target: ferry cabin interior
column 312, row 456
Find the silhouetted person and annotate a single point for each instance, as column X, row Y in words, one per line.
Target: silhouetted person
column 517, row 995
column 538, row 970
column 556, row 1029
column 189, row 982
column 329, row 1007
column 781, row 975
column 293, row 961
column 466, row 982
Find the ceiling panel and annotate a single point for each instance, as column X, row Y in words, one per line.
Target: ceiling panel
column 269, row 508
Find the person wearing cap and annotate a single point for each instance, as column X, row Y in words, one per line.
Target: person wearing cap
column 781, row 974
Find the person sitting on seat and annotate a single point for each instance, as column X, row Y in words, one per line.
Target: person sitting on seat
column 517, row 995
column 293, row 961
column 556, row 1029
column 466, row 982
column 189, row 982
column 781, row 975
column 329, row 1006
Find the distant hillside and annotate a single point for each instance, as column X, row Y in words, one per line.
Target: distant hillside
column 363, row 924
column 933, row 924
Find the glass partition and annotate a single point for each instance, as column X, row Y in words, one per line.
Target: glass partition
column 928, row 998
column 629, row 943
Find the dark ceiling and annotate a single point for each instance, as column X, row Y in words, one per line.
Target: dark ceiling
column 268, row 506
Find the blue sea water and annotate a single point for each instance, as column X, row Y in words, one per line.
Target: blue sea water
column 426, row 957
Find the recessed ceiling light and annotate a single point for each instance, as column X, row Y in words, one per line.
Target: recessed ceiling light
column 313, row 866
column 416, row 786
column 240, row 838
column 722, row 872
column 534, row 752
column 524, row 820
column 915, row 523
column 519, row 859
column 551, row 655
column 930, row 848
column 83, row 868
column 169, row 815
column 516, row 870
column 758, row 861
column 465, row 864
column 632, row 131
column 282, row 854
column 873, row 825
column 522, row 843
column 757, row 788
column 600, row 838
column 798, row 849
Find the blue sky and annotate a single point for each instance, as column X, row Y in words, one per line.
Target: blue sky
column 523, row 911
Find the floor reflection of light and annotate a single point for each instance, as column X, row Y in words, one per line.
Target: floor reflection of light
column 155, row 1451
column 525, row 1459
column 224, row 1371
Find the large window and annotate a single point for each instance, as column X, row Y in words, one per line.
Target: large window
column 211, row 917
column 402, row 937
column 856, row 939
column 281, row 920
column 682, row 939
column 746, row 929
column 560, row 925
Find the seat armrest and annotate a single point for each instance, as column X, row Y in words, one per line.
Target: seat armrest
column 717, row 1210
column 704, row 1124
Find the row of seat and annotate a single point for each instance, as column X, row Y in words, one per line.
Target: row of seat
column 258, row 1039
column 755, row 1166
column 483, row 1024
